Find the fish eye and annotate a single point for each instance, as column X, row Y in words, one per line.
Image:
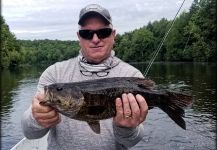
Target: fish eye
column 59, row 88
column 58, row 101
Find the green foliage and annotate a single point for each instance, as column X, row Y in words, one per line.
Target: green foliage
column 136, row 46
column 202, row 30
column 10, row 50
column 176, row 41
column 47, row 51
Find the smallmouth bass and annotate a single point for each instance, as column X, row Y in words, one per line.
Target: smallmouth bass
column 94, row 100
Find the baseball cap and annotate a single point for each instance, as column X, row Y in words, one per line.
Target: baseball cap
column 94, row 9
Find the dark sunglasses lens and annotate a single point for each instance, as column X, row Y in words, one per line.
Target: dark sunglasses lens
column 86, row 34
column 101, row 33
column 104, row 33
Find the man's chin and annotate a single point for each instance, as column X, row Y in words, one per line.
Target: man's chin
column 96, row 59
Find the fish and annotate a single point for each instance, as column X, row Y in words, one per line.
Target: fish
column 94, row 100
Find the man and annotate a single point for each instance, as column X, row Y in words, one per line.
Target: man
column 96, row 60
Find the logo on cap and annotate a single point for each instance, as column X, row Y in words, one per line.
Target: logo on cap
column 93, row 8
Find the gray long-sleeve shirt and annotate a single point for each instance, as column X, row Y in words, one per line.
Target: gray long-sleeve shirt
column 74, row 134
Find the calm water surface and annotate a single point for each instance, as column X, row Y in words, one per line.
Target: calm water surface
column 18, row 87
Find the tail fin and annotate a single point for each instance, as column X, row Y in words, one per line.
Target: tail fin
column 175, row 107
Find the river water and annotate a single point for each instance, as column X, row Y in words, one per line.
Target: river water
column 18, row 87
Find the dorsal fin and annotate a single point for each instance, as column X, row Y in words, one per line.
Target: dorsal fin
column 144, row 83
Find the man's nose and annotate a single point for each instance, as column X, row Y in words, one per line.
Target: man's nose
column 95, row 38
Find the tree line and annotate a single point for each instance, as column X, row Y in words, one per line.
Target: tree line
column 192, row 38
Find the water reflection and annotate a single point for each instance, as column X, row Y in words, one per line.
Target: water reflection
column 10, row 79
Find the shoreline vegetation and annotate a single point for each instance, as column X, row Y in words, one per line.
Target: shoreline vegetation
column 192, row 39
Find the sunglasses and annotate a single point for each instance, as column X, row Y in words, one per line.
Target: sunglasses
column 101, row 33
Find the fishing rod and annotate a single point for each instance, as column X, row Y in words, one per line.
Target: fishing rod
column 162, row 41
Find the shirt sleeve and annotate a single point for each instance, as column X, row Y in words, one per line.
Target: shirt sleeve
column 128, row 136
column 30, row 127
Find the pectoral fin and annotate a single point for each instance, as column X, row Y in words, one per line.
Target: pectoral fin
column 95, row 126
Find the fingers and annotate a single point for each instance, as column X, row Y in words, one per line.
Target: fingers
column 131, row 111
column 49, row 122
column 40, row 95
column 119, row 109
column 143, row 107
column 126, row 106
column 37, row 107
column 48, row 115
column 44, row 115
column 134, row 106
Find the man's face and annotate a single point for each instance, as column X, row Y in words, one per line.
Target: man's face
column 97, row 49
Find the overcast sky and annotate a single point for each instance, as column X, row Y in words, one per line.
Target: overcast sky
column 57, row 19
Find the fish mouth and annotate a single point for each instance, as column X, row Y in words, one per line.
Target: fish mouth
column 46, row 91
column 46, row 96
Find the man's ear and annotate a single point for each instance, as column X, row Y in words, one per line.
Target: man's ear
column 114, row 32
column 78, row 35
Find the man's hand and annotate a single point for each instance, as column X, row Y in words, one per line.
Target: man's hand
column 131, row 110
column 44, row 115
